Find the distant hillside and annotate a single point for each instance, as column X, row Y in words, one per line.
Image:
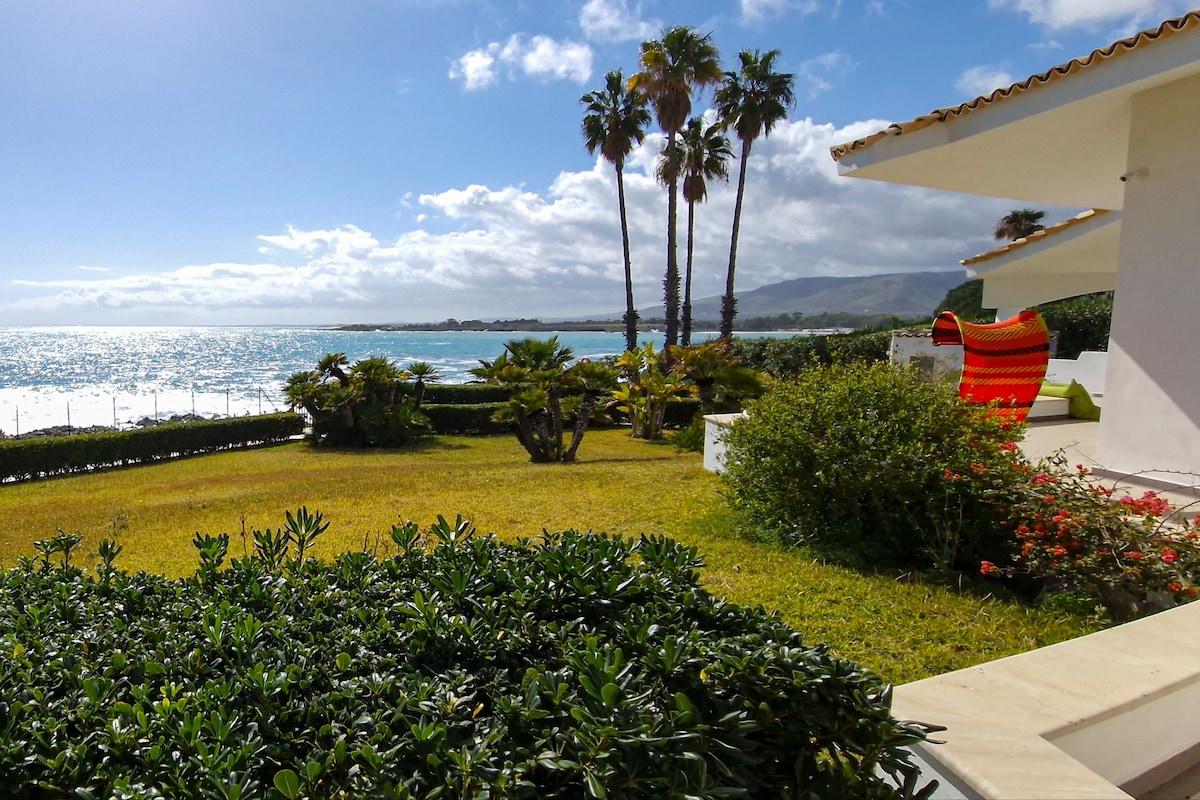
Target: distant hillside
column 903, row 294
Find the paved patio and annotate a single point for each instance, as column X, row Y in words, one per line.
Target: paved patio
column 1077, row 439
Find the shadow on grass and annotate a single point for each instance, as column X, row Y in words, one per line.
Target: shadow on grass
column 432, row 444
column 963, row 582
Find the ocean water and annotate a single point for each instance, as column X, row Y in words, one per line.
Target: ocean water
column 118, row 375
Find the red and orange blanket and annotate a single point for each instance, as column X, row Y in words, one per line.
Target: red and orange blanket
column 1003, row 362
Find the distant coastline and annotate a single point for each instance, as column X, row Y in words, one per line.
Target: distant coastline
column 794, row 323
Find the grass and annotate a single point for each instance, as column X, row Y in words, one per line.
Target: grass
column 903, row 629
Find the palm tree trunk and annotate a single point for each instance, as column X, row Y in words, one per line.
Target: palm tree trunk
column 586, row 409
column 631, row 315
column 686, row 336
column 671, row 281
column 728, row 301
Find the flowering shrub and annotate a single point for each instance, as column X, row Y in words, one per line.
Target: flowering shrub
column 1128, row 555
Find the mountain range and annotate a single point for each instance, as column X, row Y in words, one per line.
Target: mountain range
column 902, row 294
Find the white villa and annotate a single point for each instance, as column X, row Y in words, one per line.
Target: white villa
column 1111, row 715
column 1117, row 131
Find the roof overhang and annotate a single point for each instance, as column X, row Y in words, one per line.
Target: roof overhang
column 1059, row 138
column 1076, row 257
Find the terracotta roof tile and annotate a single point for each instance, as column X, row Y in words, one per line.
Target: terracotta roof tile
column 1187, row 22
column 1035, row 237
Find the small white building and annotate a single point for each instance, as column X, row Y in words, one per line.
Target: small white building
column 1117, row 131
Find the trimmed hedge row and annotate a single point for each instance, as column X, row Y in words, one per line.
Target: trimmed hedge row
column 26, row 459
column 458, row 393
column 465, row 418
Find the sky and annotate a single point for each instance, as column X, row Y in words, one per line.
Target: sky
column 288, row 162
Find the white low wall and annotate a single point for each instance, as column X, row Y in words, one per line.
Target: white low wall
column 1089, row 371
column 1111, row 715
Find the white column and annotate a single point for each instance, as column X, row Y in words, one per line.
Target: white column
column 1151, row 417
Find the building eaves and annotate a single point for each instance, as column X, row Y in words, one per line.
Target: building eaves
column 1140, row 41
column 1038, row 236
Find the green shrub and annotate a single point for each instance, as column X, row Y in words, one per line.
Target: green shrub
column 462, row 394
column 473, row 418
column 855, row 458
column 25, row 459
column 576, row 666
column 786, row 358
column 1082, row 323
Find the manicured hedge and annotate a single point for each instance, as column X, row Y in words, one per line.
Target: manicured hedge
column 784, row 358
column 25, row 459
column 464, row 418
column 460, row 393
column 576, row 666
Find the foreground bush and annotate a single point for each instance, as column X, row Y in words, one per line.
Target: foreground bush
column 577, row 666
column 856, row 458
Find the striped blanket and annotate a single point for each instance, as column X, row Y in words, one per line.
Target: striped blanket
column 1003, row 362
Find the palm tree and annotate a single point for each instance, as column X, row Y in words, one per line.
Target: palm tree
column 615, row 121
column 682, row 60
column 303, row 390
column 703, row 155
column 331, row 367
column 1019, row 223
column 750, row 101
column 375, row 378
column 423, row 372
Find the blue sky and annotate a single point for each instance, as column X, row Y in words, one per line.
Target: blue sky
column 288, row 162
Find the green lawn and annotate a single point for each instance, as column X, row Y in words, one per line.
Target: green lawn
column 903, row 629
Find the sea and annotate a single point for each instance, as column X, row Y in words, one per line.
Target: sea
column 81, row 376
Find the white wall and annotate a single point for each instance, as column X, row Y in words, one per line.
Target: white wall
column 945, row 359
column 1152, row 390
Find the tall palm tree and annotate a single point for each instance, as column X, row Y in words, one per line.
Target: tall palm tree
column 1019, row 223
column 750, row 101
column 615, row 121
column 671, row 67
column 704, row 155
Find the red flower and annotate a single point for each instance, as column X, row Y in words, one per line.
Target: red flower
column 1175, row 586
column 1169, row 555
column 1009, row 447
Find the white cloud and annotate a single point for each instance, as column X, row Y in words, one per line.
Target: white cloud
column 475, row 68
column 983, row 80
column 875, row 7
column 513, row 251
column 816, row 72
column 758, row 10
column 1060, row 14
column 546, row 58
column 612, row 21
column 540, row 57
column 86, row 268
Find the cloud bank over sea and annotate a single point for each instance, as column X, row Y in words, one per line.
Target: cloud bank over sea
column 517, row 251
